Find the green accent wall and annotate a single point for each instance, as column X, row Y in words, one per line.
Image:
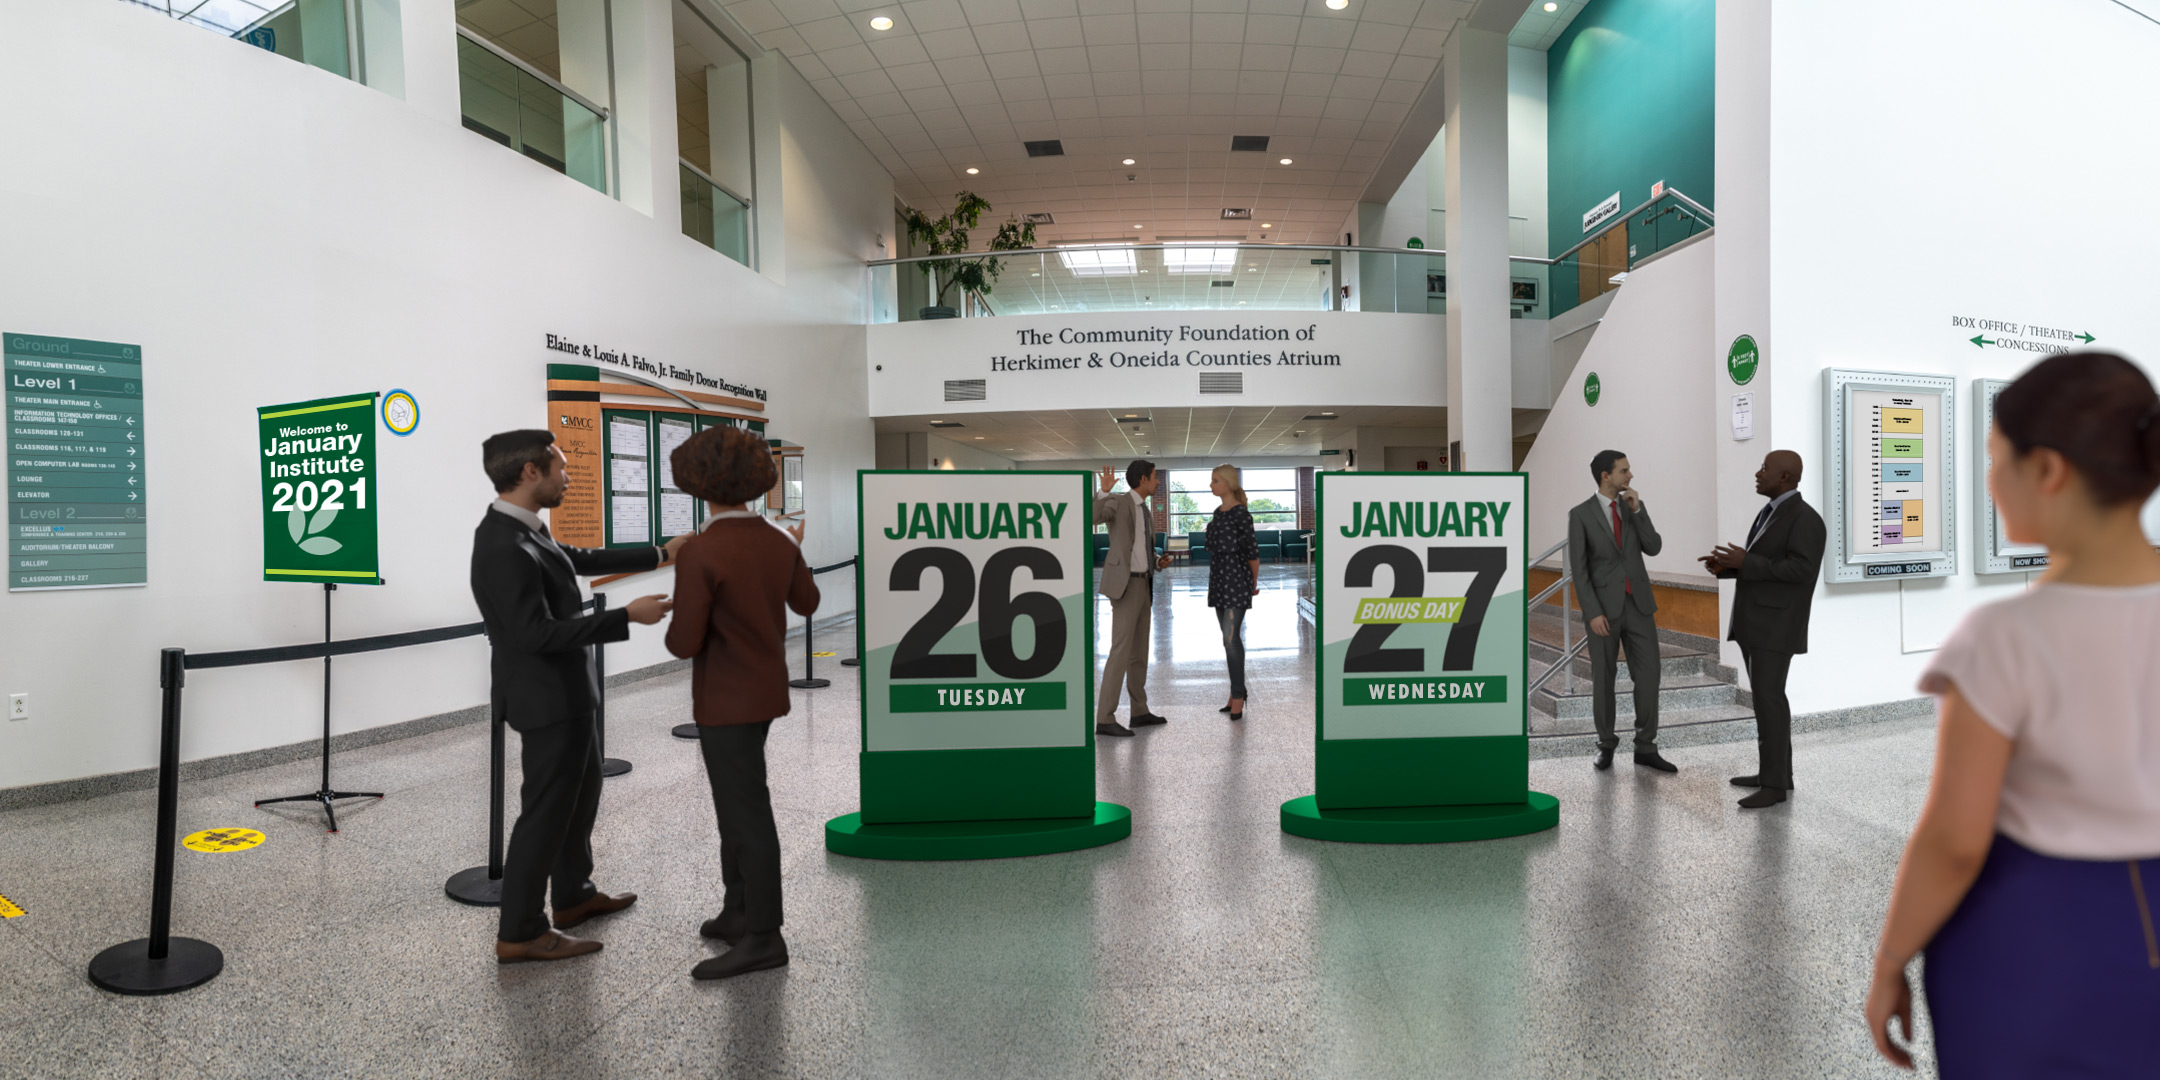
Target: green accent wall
column 1631, row 99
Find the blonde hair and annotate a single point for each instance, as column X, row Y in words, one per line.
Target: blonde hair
column 1228, row 474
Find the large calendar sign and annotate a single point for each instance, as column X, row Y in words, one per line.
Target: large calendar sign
column 1421, row 717
column 975, row 615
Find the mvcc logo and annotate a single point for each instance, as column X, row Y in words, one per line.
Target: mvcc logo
column 583, row 423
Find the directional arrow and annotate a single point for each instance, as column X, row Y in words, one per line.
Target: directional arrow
column 132, row 496
column 132, row 481
column 2087, row 338
column 131, row 451
column 132, row 466
column 131, row 421
column 131, row 436
column 1982, row 341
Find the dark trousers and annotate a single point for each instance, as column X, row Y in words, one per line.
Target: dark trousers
column 1773, row 714
column 1638, row 632
column 1233, row 644
column 749, row 840
column 552, row 840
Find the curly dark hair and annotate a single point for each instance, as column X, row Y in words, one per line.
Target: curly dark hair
column 725, row 465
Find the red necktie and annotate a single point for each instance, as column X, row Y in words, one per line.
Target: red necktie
column 1616, row 542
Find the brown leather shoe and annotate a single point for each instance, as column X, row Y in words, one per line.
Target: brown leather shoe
column 552, row 945
column 600, row 904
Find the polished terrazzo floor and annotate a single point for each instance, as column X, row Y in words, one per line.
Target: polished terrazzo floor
column 1658, row 932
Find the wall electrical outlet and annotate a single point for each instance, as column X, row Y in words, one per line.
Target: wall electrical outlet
column 18, row 706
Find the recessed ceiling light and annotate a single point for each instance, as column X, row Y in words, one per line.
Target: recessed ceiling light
column 978, row 438
column 883, row 23
column 1037, row 273
column 1267, row 225
column 1552, row 7
column 1337, row 5
column 1286, row 161
column 1136, row 226
column 1128, row 161
column 972, row 170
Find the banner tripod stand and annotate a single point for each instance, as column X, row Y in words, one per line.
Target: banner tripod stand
column 325, row 795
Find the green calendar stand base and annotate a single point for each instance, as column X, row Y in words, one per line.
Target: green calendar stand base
column 1419, row 824
column 847, row 835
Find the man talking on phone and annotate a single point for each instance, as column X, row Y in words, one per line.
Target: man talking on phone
column 545, row 687
column 1608, row 535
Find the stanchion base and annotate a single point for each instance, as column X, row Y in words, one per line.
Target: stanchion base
column 1302, row 816
column 809, row 684
column 126, row 968
column 852, row 661
column 473, row 886
column 686, row 731
column 613, row 766
column 847, row 835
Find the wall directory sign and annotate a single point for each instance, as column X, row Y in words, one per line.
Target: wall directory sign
column 1422, row 710
column 319, row 490
column 78, row 463
column 1888, row 438
column 1997, row 554
column 975, row 620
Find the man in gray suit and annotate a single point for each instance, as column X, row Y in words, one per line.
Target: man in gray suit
column 1608, row 535
column 1128, row 579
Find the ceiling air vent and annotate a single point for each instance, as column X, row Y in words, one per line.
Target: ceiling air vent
column 1320, row 416
column 951, row 423
column 1237, row 213
column 966, row 390
column 1038, row 219
column 1222, row 382
column 1227, row 283
column 1054, row 148
column 1254, row 143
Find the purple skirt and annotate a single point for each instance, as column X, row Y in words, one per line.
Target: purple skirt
column 2048, row 968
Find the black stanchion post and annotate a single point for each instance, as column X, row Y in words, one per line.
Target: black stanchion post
column 608, row 766
column 481, row 886
column 161, row 963
column 854, row 661
column 809, row 681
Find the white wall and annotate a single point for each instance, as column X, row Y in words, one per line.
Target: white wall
column 1650, row 355
column 267, row 232
column 1936, row 174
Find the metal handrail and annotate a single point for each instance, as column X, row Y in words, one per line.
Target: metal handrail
column 1566, row 658
column 553, row 82
column 1622, row 219
column 1569, row 649
column 717, row 185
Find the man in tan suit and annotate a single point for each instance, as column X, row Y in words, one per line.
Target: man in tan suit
column 1128, row 579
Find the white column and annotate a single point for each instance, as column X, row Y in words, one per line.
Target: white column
column 428, row 32
column 1474, row 88
column 644, row 109
column 382, row 45
column 581, row 40
column 771, row 78
column 1741, row 304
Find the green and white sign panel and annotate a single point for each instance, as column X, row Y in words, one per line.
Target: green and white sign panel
column 78, row 464
column 319, row 490
column 1421, row 609
column 975, row 616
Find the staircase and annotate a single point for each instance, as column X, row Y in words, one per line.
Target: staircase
column 1693, row 687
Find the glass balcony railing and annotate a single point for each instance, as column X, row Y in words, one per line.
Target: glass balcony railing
column 1601, row 262
column 714, row 216
column 528, row 112
column 310, row 31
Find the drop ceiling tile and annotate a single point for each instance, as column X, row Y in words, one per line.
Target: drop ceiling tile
column 1048, row 9
column 1391, row 12
column 805, row 11
column 1263, row 57
column 1158, row 29
column 1166, row 56
column 1424, row 42
column 1129, row 105
column 1215, row 81
column 928, row 15
column 1271, row 29
column 1224, row 56
column 1308, row 58
column 1165, row 82
column 1417, row 69
column 828, row 34
column 985, row 12
column 1024, row 112
column 915, row 76
column 1442, row 15
column 1022, row 90
column 1120, row 57
column 1055, row 33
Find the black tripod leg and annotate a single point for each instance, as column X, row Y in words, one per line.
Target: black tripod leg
column 329, row 809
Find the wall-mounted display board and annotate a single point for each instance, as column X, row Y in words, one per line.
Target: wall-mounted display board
column 1997, row 554
column 1889, row 440
column 1422, row 716
column 618, row 435
column 320, row 493
column 78, row 465
column 975, row 624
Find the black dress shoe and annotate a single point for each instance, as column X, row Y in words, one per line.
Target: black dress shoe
column 1750, row 780
column 1114, row 729
column 757, row 952
column 729, row 926
column 1765, row 797
column 1604, row 757
column 1147, row 720
column 1649, row 759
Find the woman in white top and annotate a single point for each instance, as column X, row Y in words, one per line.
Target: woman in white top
column 2030, row 879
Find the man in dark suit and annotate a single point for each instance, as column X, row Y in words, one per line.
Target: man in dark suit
column 1128, row 579
column 545, row 686
column 1608, row 535
column 1776, row 570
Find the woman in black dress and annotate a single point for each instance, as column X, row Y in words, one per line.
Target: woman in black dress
column 1233, row 575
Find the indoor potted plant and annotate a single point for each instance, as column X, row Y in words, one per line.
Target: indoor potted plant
column 948, row 235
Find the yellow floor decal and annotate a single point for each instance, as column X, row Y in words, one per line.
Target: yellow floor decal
column 9, row 909
column 824, row 654
column 218, row 841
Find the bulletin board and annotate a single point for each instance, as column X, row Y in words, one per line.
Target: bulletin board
column 1889, row 439
column 1997, row 554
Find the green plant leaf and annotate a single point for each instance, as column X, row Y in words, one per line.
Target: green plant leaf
column 324, row 517
column 320, row 545
column 297, row 524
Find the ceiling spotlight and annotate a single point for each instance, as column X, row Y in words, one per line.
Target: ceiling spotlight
column 881, row 23
column 973, row 170
column 1551, row 6
column 1136, row 226
column 1267, row 224
column 1037, row 273
column 1286, row 161
column 978, row 438
column 1128, row 161
column 1337, row 5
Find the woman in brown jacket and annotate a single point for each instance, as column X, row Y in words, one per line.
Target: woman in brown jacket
column 731, row 584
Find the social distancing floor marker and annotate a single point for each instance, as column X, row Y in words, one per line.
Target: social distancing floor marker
column 218, row 841
column 824, row 654
column 10, row 909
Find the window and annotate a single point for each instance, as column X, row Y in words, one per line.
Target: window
column 1184, row 259
column 1271, row 496
column 1096, row 260
column 712, row 136
column 310, row 31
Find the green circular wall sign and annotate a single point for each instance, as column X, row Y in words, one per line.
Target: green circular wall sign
column 1742, row 359
column 1415, row 243
column 1591, row 388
